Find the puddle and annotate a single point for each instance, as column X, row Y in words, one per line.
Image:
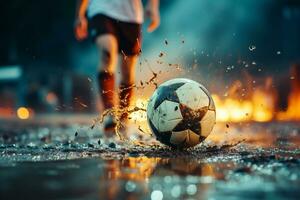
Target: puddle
column 257, row 161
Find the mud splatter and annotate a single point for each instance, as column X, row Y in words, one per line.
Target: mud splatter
column 118, row 113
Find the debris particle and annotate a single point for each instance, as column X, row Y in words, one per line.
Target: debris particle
column 140, row 129
column 124, row 55
column 246, row 170
column 76, row 133
column 112, row 145
column 83, row 105
column 161, row 54
column 93, row 126
column 91, row 145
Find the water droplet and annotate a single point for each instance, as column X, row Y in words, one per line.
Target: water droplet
column 252, row 47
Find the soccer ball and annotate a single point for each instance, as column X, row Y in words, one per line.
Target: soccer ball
column 181, row 113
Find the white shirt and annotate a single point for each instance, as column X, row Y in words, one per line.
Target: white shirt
column 123, row 10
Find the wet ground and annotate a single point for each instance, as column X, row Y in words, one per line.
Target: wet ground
column 55, row 158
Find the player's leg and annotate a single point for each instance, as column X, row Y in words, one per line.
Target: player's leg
column 130, row 45
column 108, row 52
column 127, row 82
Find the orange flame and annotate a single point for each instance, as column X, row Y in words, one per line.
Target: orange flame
column 259, row 108
column 293, row 109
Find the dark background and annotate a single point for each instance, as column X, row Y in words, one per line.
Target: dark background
column 38, row 37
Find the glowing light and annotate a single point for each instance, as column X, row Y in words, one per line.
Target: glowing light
column 51, row 98
column 157, row 195
column 23, row 113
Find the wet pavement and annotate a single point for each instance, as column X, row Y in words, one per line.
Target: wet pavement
column 65, row 160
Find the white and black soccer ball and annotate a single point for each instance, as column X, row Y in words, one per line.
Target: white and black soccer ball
column 181, row 113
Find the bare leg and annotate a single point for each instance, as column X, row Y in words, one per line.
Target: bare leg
column 127, row 81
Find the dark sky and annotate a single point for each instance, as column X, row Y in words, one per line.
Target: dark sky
column 36, row 30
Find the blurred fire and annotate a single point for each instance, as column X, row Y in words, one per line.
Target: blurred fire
column 6, row 112
column 293, row 109
column 259, row 108
column 261, row 103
